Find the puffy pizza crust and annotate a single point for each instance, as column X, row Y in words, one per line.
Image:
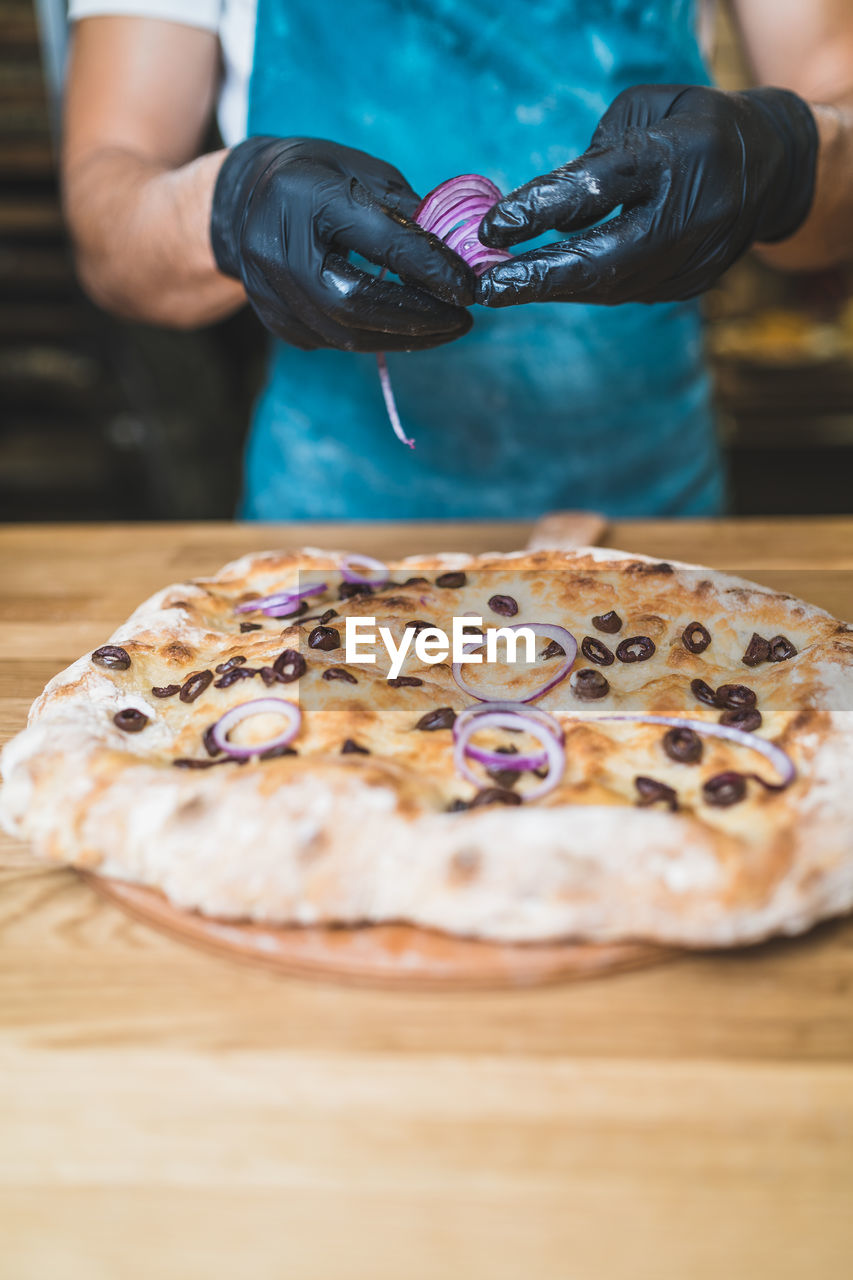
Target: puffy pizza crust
column 366, row 838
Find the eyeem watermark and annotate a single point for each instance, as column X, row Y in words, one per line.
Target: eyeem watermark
column 432, row 644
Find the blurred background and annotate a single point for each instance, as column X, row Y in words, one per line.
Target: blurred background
column 106, row 420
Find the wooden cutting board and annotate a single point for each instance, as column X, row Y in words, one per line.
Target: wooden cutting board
column 393, row 955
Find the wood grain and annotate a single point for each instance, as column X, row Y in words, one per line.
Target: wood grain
column 164, row 1112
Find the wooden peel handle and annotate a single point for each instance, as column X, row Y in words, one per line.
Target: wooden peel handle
column 563, row 530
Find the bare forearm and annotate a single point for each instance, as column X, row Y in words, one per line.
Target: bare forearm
column 809, row 48
column 141, row 236
column 826, row 237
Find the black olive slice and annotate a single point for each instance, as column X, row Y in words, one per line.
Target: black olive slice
column 236, row 661
column 290, row 664
column 112, row 657
column 339, row 673
column 494, row 795
column 635, row 649
column 506, row 606
column 747, row 719
column 609, row 622
column 735, row 697
column 405, row 682
column 683, row 745
column 589, row 685
column 418, row 625
column 440, row 718
column 130, row 720
column 191, row 762
column 552, row 650
column 724, row 789
column 351, row 747
column 455, row 579
column 230, row 677
column 781, row 649
column 165, row 690
column 594, row 651
column 650, row 791
column 695, row 637
column 347, row 590
column 324, row 638
column 703, row 693
column 322, row 618
column 195, row 685
column 757, row 651
column 505, row 777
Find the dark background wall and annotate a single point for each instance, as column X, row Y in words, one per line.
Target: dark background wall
column 101, row 419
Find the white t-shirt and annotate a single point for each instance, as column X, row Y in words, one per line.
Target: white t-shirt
column 232, row 20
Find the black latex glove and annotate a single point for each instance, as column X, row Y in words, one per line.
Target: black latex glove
column 700, row 175
column 286, row 213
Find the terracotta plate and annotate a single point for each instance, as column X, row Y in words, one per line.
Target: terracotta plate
column 394, row 955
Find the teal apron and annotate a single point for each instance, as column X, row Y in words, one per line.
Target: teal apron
column 538, row 407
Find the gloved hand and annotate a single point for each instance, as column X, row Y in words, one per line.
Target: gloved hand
column 286, row 211
column 700, row 175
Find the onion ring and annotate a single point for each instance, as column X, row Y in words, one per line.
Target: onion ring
column 279, row 599
column 378, row 566
column 555, row 755
column 563, row 637
column 505, row 760
column 259, row 706
column 512, row 708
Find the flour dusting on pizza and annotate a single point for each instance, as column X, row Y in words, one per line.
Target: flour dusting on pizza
column 674, row 763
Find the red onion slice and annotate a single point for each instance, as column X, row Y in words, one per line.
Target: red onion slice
column 390, row 402
column 474, row 183
column 511, row 708
column 285, row 610
column 780, row 760
column 258, row 707
column 553, row 751
column 503, row 760
column 553, row 632
column 381, row 572
column 460, row 212
column 280, row 599
column 451, row 192
column 452, row 211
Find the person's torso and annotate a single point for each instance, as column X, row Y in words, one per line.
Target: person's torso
column 538, row 406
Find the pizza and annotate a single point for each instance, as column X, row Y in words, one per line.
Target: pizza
column 671, row 759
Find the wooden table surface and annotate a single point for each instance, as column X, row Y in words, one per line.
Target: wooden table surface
column 166, row 1113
